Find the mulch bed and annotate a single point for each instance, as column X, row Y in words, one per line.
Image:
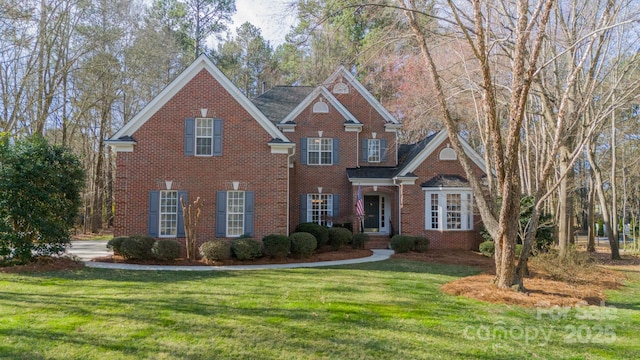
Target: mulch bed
column 541, row 290
column 44, row 264
column 324, row 255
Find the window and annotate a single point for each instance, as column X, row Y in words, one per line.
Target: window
column 340, row 88
column 235, row 213
column 320, row 151
column 320, row 108
column 373, row 150
column 435, row 213
column 204, row 136
column 168, row 213
column 320, row 208
column 449, row 210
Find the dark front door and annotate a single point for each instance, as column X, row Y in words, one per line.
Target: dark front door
column 371, row 213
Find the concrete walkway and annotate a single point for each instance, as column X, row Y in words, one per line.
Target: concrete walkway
column 88, row 250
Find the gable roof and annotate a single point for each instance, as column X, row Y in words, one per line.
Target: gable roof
column 418, row 155
column 410, row 157
column 318, row 91
column 446, row 181
column 202, row 62
column 280, row 101
column 342, row 71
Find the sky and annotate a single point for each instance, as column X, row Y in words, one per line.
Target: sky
column 271, row 16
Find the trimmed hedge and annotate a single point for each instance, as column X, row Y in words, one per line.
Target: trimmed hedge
column 166, row 249
column 277, row 246
column 402, row 243
column 216, row 250
column 421, row 243
column 137, row 247
column 320, row 232
column 303, row 244
column 246, row 248
column 358, row 240
column 339, row 236
column 116, row 244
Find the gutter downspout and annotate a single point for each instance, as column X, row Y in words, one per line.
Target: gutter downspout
column 293, row 152
column 399, row 205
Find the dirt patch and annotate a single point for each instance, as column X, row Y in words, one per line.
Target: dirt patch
column 342, row 254
column 44, row 264
column 542, row 291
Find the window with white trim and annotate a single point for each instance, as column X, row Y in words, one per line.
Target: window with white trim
column 448, row 210
column 320, row 208
column 235, row 213
column 373, row 150
column 319, row 151
column 204, row 136
column 168, row 213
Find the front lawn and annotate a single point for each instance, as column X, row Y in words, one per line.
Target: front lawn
column 388, row 310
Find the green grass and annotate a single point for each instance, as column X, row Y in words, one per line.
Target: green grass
column 388, row 310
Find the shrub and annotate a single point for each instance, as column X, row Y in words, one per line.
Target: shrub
column 116, row 244
column 487, row 248
column 573, row 267
column 518, row 249
column 216, row 250
column 402, row 243
column 277, row 246
column 358, row 240
column 246, row 248
column 421, row 243
column 303, row 244
column 166, row 249
column 338, row 237
column 40, row 186
column 137, row 247
column 320, row 232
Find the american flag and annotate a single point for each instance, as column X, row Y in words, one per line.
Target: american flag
column 360, row 204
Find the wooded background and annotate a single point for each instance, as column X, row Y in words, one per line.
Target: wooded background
column 75, row 71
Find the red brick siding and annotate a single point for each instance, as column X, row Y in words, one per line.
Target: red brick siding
column 413, row 211
column 159, row 156
column 333, row 179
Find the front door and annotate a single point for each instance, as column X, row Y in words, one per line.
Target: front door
column 371, row 213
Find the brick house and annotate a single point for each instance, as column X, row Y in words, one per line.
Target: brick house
column 293, row 154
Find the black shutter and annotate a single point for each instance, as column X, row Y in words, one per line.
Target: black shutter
column 303, row 151
column 181, row 195
column 248, row 212
column 189, row 136
column 221, row 214
column 153, row 228
column 217, row 137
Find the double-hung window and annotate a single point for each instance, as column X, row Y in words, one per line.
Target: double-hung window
column 448, row 209
column 168, row 213
column 320, row 151
column 320, row 208
column 373, row 151
column 204, row 136
column 235, row 213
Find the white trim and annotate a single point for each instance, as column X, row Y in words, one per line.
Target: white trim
column 342, row 71
column 371, row 182
column 228, row 213
column 433, row 145
column 281, row 148
column 466, row 208
column 202, row 62
column 121, row 146
column 319, row 91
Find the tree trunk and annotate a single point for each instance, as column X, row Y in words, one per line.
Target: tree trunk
column 591, row 240
column 613, row 242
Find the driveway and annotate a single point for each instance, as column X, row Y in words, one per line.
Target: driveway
column 87, row 250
